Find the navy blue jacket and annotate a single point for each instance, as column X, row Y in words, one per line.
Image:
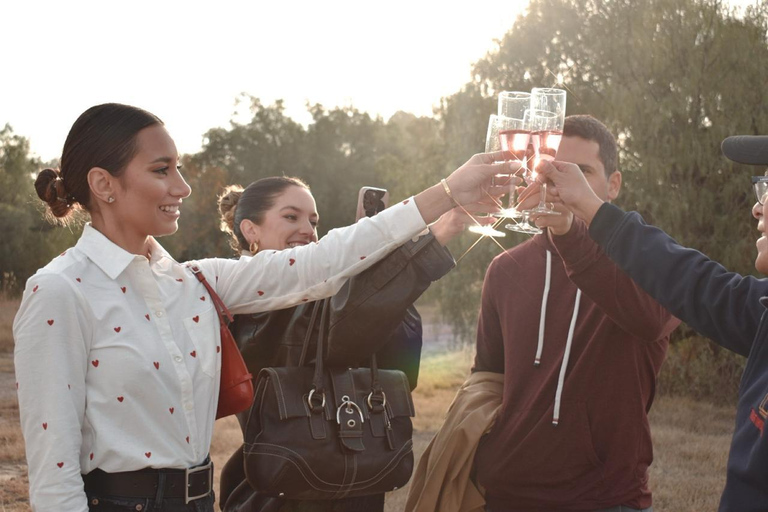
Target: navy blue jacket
column 724, row 306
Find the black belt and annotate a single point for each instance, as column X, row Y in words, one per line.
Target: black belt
column 190, row 484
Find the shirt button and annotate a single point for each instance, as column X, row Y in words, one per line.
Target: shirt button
column 159, row 313
column 177, row 359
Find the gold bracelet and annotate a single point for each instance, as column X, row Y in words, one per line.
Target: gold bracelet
column 448, row 192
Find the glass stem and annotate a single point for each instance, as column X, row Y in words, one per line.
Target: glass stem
column 543, row 196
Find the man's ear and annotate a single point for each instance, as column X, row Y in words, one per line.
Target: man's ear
column 250, row 230
column 102, row 184
column 614, row 185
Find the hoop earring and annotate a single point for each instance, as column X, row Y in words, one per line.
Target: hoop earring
column 254, row 247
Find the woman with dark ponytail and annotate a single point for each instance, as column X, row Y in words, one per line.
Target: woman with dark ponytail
column 117, row 345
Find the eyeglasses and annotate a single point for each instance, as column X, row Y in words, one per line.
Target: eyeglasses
column 760, row 184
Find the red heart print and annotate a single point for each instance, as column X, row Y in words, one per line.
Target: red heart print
column 193, row 353
column 17, row 385
column 187, row 439
column 35, row 288
column 45, row 426
column 95, row 363
column 147, row 454
column 202, row 298
column 362, row 257
column 91, row 456
column 60, row 464
column 406, row 201
column 180, row 280
column 218, row 349
column 291, row 261
column 171, row 409
column 120, row 399
column 69, row 386
column 50, row 322
column 147, row 317
column 118, row 329
column 304, row 300
column 122, row 288
column 62, row 254
column 78, row 280
column 157, row 365
column 260, row 293
column 196, row 319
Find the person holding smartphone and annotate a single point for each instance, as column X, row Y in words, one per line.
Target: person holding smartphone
column 117, row 345
column 372, row 313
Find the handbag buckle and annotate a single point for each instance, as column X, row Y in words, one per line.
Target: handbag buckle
column 370, row 400
column 309, row 399
column 346, row 402
column 190, row 471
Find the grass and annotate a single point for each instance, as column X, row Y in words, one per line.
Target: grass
column 691, row 438
column 8, row 309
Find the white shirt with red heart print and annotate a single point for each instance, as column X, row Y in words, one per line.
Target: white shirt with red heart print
column 117, row 357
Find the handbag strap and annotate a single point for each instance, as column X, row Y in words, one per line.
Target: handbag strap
column 308, row 336
column 225, row 317
column 317, row 381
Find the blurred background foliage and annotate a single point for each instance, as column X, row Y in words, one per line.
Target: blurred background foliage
column 670, row 78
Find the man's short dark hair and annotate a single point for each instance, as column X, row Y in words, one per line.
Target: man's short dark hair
column 589, row 128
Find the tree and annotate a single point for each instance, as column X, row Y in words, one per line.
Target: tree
column 671, row 78
column 29, row 242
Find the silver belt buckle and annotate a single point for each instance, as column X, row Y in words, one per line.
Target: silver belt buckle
column 189, row 471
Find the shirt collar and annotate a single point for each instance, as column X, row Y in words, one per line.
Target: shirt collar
column 110, row 257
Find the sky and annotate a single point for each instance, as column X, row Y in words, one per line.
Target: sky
column 187, row 62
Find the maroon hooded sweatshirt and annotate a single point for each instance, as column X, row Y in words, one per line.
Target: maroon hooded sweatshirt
column 598, row 453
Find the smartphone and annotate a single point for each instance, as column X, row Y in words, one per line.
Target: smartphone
column 371, row 201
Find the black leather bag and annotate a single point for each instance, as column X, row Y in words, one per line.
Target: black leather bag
column 327, row 433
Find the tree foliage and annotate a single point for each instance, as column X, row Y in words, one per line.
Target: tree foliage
column 28, row 241
column 671, row 78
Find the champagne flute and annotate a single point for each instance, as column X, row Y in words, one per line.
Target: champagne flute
column 547, row 116
column 496, row 124
column 514, row 136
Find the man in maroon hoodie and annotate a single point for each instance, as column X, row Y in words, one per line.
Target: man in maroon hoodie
column 580, row 346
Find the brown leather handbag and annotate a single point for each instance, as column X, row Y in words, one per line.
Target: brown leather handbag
column 236, row 382
column 328, row 433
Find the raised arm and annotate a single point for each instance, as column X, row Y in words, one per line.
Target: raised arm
column 615, row 292
column 372, row 306
column 279, row 279
column 721, row 305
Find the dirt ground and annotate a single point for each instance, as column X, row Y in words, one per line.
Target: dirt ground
column 691, row 438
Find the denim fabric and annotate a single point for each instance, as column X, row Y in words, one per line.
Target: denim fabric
column 97, row 503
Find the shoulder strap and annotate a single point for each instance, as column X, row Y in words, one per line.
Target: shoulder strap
column 225, row 317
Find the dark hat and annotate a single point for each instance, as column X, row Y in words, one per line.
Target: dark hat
column 747, row 149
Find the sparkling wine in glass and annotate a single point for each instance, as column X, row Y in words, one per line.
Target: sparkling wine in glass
column 496, row 125
column 547, row 116
column 514, row 137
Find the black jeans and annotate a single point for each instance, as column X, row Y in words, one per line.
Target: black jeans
column 98, row 503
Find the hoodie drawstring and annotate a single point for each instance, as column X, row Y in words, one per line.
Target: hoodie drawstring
column 568, row 343
column 543, row 317
column 566, row 356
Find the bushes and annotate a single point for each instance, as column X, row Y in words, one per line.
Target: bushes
column 698, row 368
